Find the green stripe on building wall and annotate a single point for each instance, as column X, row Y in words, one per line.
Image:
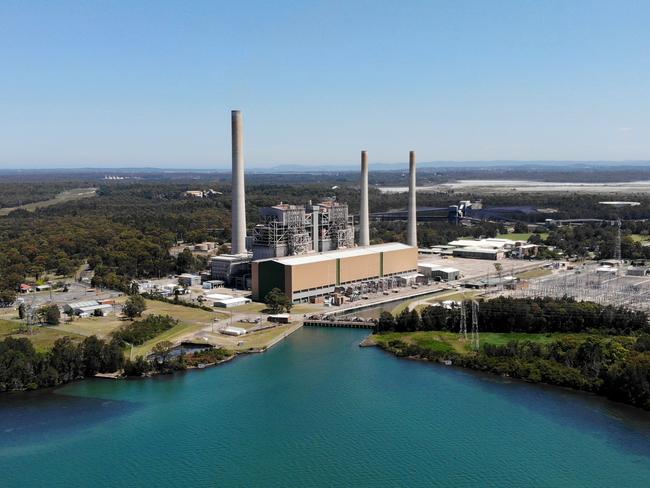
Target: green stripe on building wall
column 381, row 264
column 338, row 272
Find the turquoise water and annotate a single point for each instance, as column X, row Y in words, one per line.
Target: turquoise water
column 317, row 410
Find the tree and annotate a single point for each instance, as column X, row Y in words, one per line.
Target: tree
column 162, row 351
column 7, row 297
column 22, row 311
column 277, row 302
column 138, row 367
column 386, row 322
column 185, row 261
column 50, row 314
column 92, row 349
column 134, row 306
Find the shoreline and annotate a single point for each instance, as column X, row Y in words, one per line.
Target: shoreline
column 454, row 363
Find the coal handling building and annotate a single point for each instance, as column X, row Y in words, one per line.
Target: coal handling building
column 305, row 276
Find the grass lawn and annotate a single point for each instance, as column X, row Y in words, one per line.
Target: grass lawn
column 261, row 339
column 99, row 326
column 523, row 236
column 183, row 313
column 451, row 341
column 534, row 273
column 639, row 237
column 172, row 335
column 253, row 307
column 42, row 337
column 64, row 196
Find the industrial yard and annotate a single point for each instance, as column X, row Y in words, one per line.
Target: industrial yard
column 616, row 284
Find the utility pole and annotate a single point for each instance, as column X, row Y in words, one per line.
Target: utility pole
column 475, row 339
column 463, row 321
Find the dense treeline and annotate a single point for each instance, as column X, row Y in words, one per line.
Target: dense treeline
column 22, row 368
column 531, row 315
column 14, row 195
column 599, row 239
column 140, row 331
column 618, row 368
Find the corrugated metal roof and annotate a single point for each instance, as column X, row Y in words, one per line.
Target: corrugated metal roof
column 342, row 253
column 88, row 303
column 478, row 250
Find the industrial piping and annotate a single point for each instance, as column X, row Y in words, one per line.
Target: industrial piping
column 412, row 233
column 364, row 225
column 238, row 207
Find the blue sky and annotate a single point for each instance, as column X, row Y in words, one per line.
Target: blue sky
column 151, row 83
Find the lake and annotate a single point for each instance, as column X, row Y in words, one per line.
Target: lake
column 317, row 410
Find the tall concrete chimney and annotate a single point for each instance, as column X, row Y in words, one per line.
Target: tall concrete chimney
column 238, row 193
column 412, row 230
column 364, row 225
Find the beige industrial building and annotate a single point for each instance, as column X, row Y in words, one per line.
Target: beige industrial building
column 311, row 275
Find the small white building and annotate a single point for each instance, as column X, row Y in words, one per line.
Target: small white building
column 217, row 296
column 607, row 270
column 233, row 331
column 231, row 302
column 445, row 273
column 212, row 284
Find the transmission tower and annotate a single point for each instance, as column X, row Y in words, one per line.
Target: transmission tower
column 463, row 321
column 617, row 249
column 475, row 341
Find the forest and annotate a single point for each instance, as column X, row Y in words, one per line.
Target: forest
column 528, row 315
column 22, row 368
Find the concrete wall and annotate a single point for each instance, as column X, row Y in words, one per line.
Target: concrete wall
column 313, row 275
column 360, row 267
column 400, row 261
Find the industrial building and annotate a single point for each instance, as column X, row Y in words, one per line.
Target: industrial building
column 288, row 230
column 88, row 308
column 434, row 271
column 308, row 250
column 314, row 275
column 478, row 253
column 188, row 279
column 233, row 270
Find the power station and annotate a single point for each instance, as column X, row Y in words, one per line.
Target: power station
column 308, row 251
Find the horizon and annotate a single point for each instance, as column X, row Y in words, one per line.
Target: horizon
column 349, row 166
column 117, row 84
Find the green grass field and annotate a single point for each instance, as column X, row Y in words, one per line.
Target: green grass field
column 42, row 337
column 64, row 196
column 451, row 341
column 534, row 273
column 523, row 236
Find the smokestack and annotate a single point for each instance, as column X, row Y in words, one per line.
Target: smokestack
column 364, row 226
column 238, row 193
column 412, row 232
